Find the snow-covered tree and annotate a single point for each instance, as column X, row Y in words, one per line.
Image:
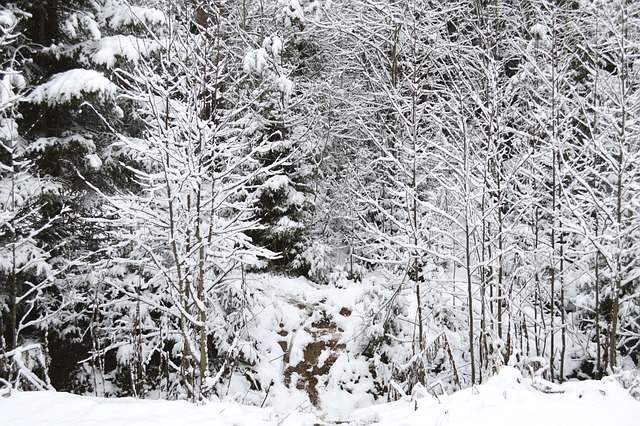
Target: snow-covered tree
column 24, row 251
column 182, row 241
column 608, row 187
column 280, row 64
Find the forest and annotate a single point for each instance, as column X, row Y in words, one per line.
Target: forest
column 470, row 167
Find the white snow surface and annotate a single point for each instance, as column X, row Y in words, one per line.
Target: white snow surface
column 506, row 399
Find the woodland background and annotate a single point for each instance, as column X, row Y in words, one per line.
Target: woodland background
column 482, row 156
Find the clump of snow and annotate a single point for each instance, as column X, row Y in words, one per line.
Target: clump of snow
column 92, row 26
column 7, row 19
column 277, row 182
column 540, row 33
column 70, row 25
column 94, row 161
column 276, row 46
column 256, row 61
column 117, row 15
column 285, row 85
column 76, row 22
column 273, row 44
column 72, row 84
column 125, row 46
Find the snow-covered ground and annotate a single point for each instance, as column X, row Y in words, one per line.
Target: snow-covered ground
column 506, row 399
column 308, row 370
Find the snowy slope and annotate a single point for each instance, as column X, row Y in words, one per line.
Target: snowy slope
column 506, row 399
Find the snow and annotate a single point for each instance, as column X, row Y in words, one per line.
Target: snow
column 292, row 9
column 256, row 61
column 8, row 129
column 72, row 84
column 277, row 182
column 289, row 310
column 10, row 80
column 507, row 399
column 285, row 85
column 70, row 26
column 51, row 408
column 540, row 32
column 7, row 19
column 42, row 144
column 92, row 26
column 94, row 161
column 132, row 48
column 276, row 46
column 118, row 15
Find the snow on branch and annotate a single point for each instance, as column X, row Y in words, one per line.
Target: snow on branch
column 124, row 46
column 72, row 84
column 117, row 15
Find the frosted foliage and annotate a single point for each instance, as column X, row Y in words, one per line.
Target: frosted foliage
column 17, row 192
column 5, row 90
column 72, row 84
column 249, row 63
column 319, row 258
column 283, row 183
column 296, row 197
column 285, row 224
column 274, row 45
column 128, row 47
column 117, row 15
column 266, row 61
column 291, row 10
column 42, row 144
column 25, row 254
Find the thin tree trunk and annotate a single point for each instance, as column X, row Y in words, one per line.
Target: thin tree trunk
column 563, row 318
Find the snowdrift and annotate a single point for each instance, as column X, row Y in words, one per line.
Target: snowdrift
column 506, row 399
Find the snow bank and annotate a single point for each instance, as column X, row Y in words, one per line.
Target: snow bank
column 58, row 408
column 506, row 399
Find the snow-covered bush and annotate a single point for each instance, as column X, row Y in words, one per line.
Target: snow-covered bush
column 318, row 261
